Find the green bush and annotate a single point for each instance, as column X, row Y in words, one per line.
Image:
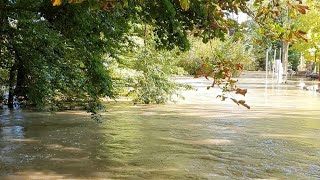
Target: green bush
column 155, row 84
column 214, row 51
column 192, row 60
column 146, row 75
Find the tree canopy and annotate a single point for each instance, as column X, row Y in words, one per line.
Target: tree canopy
column 52, row 51
column 310, row 24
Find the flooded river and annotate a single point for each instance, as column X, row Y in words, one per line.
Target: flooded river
column 199, row 137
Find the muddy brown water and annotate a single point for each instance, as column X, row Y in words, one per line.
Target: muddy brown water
column 199, row 137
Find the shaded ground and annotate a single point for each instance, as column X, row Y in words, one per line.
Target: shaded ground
column 196, row 138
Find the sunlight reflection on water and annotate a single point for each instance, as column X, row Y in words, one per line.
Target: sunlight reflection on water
column 197, row 138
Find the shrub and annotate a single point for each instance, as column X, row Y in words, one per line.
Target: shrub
column 145, row 75
column 214, row 51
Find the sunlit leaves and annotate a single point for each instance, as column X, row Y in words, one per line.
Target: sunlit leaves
column 310, row 31
column 59, row 2
column 297, row 6
column 153, row 82
column 225, row 64
column 125, row 3
column 56, row 2
column 301, row 35
column 184, row 4
column 276, row 18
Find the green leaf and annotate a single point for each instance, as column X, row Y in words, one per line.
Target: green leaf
column 185, row 4
column 125, row 3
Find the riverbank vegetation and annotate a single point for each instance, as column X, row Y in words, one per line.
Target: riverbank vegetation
column 63, row 54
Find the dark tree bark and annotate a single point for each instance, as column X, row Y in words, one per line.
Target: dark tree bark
column 20, row 89
column 12, row 80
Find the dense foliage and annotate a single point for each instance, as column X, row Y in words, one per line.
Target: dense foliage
column 310, row 24
column 145, row 74
column 235, row 50
column 53, row 52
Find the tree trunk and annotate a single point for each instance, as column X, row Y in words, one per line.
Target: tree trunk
column 12, row 79
column 285, row 51
column 319, row 71
column 21, row 82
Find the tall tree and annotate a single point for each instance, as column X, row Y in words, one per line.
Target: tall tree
column 54, row 54
column 276, row 19
column 310, row 24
